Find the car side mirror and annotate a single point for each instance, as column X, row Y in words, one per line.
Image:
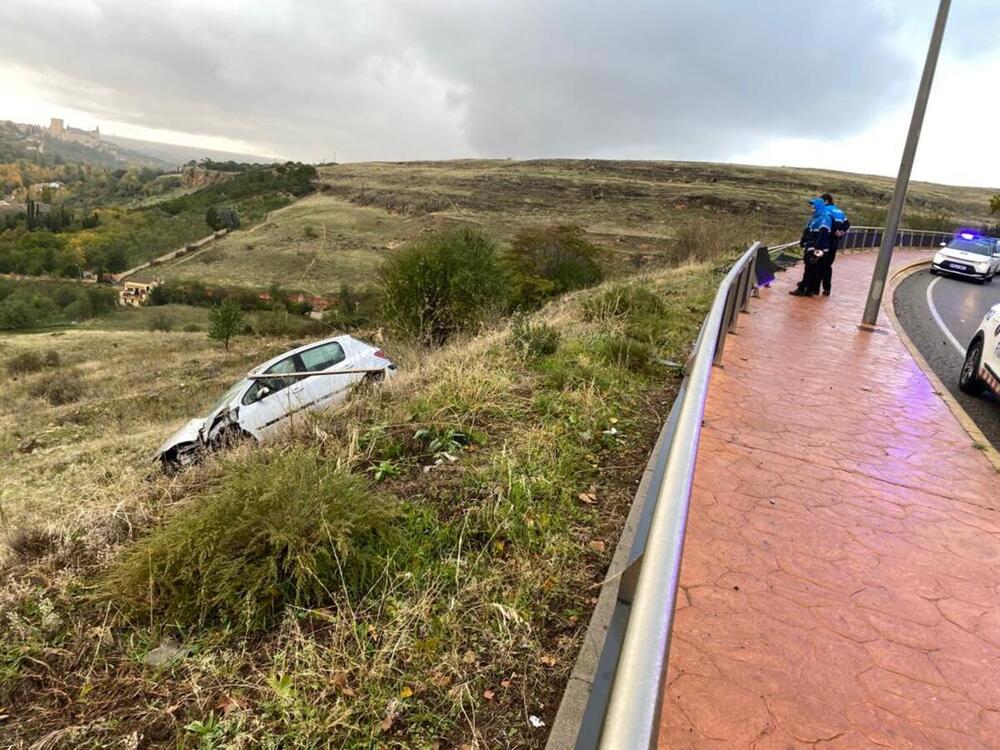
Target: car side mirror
column 262, row 393
column 943, row 244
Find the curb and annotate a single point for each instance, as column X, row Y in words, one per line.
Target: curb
column 967, row 423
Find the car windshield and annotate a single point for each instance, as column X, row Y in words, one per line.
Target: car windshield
column 970, row 246
column 229, row 396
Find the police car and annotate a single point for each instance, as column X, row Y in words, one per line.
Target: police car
column 981, row 370
column 970, row 256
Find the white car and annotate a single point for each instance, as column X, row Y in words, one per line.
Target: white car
column 981, row 370
column 311, row 377
column 970, row 256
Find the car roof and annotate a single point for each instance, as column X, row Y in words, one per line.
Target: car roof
column 338, row 339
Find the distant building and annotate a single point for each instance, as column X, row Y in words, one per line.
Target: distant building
column 136, row 293
column 59, row 129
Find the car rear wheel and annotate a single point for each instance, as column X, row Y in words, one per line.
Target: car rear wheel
column 969, row 381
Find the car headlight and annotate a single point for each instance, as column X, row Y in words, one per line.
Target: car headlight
column 982, row 267
column 939, row 258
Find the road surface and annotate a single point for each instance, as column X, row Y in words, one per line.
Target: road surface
column 940, row 315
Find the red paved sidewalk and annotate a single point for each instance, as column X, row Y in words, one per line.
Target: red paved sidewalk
column 841, row 574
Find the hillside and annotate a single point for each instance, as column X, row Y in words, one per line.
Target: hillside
column 34, row 143
column 177, row 154
column 459, row 595
column 641, row 213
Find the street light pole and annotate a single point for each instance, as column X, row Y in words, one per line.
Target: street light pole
column 905, row 167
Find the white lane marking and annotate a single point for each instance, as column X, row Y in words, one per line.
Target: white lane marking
column 939, row 320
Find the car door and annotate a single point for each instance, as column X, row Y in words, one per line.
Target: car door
column 270, row 401
column 326, row 389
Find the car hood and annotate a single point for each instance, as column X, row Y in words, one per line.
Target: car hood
column 189, row 433
column 953, row 254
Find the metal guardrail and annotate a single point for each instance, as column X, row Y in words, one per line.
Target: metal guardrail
column 648, row 587
column 865, row 237
column 623, row 710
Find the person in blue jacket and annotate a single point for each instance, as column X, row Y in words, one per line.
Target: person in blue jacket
column 839, row 226
column 815, row 245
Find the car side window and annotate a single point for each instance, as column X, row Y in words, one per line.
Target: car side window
column 288, row 365
column 322, row 357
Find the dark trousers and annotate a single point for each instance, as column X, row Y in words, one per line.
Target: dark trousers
column 812, row 274
column 826, row 264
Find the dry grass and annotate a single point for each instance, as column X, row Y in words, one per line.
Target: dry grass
column 473, row 622
column 314, row 246
column 642, row 214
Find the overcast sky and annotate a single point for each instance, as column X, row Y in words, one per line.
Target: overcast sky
column 766, row 81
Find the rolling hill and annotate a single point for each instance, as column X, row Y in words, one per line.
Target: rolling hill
column 641, row 213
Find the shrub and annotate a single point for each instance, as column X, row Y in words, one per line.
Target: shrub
column 447, row 283
column 623, row 301
column 192, row 328
column 355, row 308
column 624, row 352
column 548, row 261
column 23, row 363
column 286, row 528
column 309, row 232
column 64, row 387
column 161, row 322
column 534, row 339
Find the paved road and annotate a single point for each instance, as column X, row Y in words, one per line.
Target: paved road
column 941, row 315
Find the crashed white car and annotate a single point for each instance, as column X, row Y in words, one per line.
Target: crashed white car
column 981, row 369
column 314, row 376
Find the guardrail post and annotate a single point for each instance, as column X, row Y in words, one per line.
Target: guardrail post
column 751, row 284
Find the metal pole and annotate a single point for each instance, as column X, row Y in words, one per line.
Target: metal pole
column 905, row 167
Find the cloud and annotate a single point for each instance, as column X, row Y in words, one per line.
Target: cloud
column 437, row 78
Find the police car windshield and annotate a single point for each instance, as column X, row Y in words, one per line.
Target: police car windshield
column 970, row 246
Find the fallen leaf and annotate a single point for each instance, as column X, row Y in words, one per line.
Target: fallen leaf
column 598, row 545
column 440, row 679
column 488, row 695
column 228, row 703
column 469, row 657
column 406, row 692
column 387, row 723
column 588, row 498
column 373, row 633
column 548, row 660
column 505, row 683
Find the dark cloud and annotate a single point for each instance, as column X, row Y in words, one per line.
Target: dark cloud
column 433, row 78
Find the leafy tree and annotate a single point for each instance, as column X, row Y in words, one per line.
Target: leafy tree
column 225, row 321
column 548, row 261
column 447, row 283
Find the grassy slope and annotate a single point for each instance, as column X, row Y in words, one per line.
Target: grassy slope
column 638, row 211
column 137, row 387
column 314, row 245
column 474, row 624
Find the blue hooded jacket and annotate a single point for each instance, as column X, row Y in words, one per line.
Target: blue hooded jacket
column 838, row 218
column 817, row 231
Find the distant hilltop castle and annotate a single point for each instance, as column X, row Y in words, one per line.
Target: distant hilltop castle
column 58, row 129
